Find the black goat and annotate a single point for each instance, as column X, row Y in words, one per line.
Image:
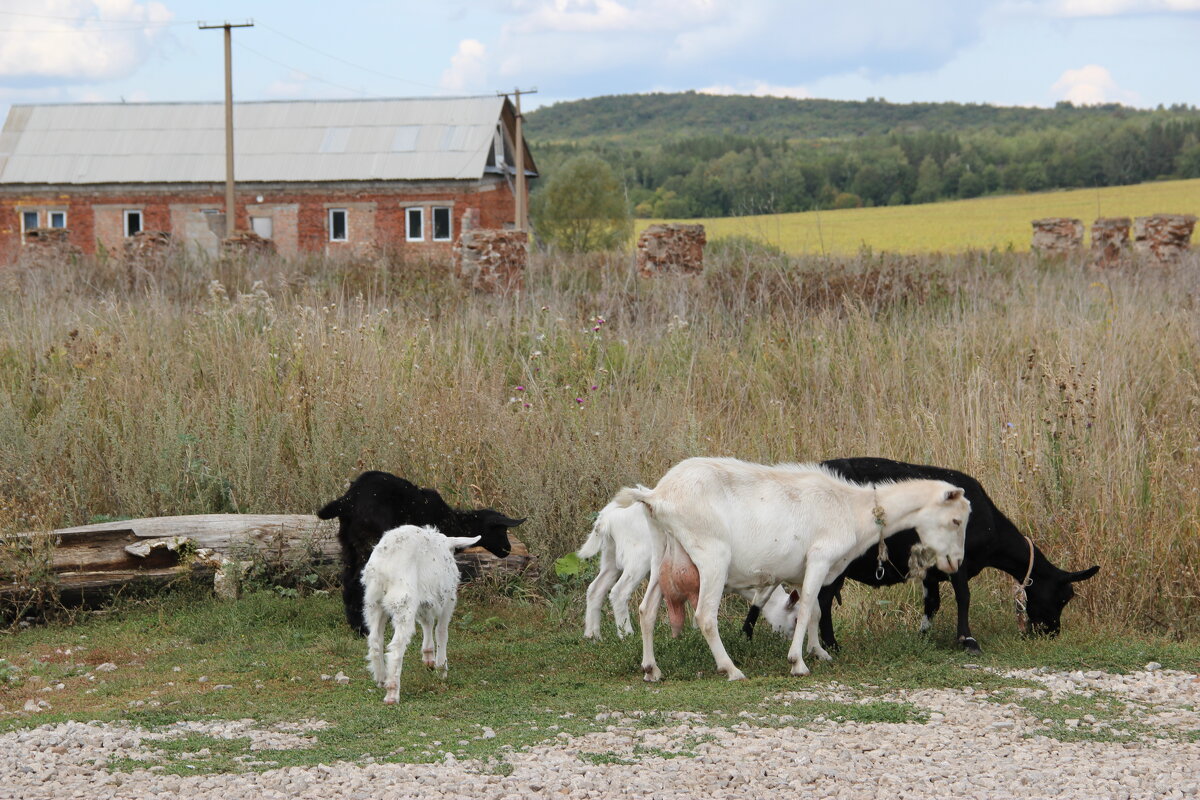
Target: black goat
column 376, row 502
column 992, row 541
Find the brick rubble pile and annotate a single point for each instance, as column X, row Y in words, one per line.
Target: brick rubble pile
column 1110, row 241
column 671, row 248
column 1054, row 236
column 492, row 260
column 1163, row 237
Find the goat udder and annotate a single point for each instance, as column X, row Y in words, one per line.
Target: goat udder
column 680, row 584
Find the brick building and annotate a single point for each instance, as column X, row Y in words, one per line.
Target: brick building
column 313, row 176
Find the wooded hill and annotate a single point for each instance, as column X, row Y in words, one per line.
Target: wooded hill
column 652, row 119
column 696, row 155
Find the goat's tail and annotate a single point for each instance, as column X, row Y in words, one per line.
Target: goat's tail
column 331, row 509
column 596, row 539
column 638, row 494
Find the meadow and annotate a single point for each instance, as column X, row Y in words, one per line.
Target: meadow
column 264, row 386
column 983, row 223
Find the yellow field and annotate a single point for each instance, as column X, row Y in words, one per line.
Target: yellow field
column 954, row 226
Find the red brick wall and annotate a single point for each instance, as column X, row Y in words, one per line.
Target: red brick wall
column 300, row 214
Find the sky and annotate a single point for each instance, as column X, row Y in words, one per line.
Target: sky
column 1002, row 52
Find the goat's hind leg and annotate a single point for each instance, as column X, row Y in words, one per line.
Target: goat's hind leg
column 427, row 621
column 376, row 627
column 647, row 617
column 403, row 619
column 619, row 599
column 441, row 634
column 595, row 598
column 712, row 586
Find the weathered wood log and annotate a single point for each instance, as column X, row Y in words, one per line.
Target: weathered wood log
column 112, row 554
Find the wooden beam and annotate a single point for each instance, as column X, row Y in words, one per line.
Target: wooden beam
column 111, row 554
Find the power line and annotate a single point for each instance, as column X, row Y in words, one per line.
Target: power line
column 301, row 72
column 339, row 59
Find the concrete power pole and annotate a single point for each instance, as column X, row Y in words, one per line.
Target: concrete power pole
column 522, row 221
column 229, row 203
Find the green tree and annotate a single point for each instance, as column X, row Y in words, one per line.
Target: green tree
column 583, row 208
column 929, row 181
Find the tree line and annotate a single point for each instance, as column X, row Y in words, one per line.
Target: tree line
column 728, row 174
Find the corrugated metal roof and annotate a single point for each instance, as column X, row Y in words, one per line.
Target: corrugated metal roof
column 397, row 139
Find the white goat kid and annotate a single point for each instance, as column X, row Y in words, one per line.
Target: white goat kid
column 625, row 539
column 748, row 527
column 410, row 577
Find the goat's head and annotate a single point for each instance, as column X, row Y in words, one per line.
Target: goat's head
column 942, row 525
column 1047, row 597
column 780, row 611
column 492, row 529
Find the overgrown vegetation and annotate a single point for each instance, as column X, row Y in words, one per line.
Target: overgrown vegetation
column 695, row 155
column 264, row 386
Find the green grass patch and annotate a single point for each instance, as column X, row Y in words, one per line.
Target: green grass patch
column 520, row 674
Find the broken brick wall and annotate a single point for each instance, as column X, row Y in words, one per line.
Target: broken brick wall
column 1054, row 236
column 671, row 248
column 492, row 260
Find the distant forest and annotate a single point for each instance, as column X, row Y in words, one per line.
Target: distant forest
column 695, row 155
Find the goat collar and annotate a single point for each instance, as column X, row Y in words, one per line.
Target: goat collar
column 880, row 522
column 1021, row 601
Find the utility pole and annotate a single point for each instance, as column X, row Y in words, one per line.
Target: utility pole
column 522, row 221
column 227, row 26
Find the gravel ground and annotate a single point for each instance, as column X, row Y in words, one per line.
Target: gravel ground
column 972, row 746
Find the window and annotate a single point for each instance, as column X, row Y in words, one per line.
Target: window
column 441, row 224
column 414, row 227
column 133, row 222
column 337, row 225
column 29, row 220
column 262, row 226
column 58, row 219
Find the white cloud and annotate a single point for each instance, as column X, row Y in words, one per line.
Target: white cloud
column 600, row 16
column 760, row 89
column 468, row 67
column 1091, row 85
column 1112, row 8
column 79, row 41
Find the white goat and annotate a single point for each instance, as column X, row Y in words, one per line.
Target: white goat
column 410, row 577
column 625, row 538
column 747, row 527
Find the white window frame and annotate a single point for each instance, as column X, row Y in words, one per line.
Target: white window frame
column 50, row 215
column 408, row 217
column 37, row 215
column 345, row 237
column 449, row 237
column 127, row 215
column 270, row 224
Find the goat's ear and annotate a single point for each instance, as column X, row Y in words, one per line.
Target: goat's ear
column 1083, row 574
column 496, row 518
column 459, row 542
column 793, row 598
column 953, row 494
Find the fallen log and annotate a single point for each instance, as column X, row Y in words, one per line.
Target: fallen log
column 108, row 555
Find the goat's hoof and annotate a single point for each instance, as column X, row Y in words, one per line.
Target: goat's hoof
column 591, row 637
column 799, row 670
column 969, row 644
column 735, row 675
column 652, row 674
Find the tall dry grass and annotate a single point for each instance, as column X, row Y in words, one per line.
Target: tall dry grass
column 264, row 386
